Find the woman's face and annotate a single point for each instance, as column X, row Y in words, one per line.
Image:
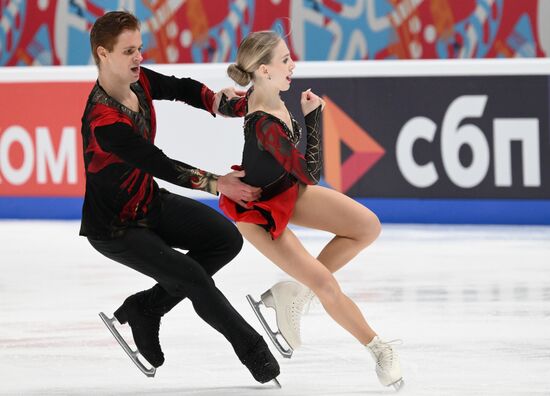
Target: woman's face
column 124, row 60
column 281, row 67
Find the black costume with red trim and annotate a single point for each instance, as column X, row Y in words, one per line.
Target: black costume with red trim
column 127, row 218
column 121, row 159
column 272, row 161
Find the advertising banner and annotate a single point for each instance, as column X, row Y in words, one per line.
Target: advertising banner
column 40, row 142
column 435, row 137
column 420, row 142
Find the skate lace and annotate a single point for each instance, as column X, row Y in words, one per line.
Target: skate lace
column 297, row 307
column 311, row 302
column 384, row 352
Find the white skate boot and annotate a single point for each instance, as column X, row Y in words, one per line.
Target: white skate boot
column 388, row 368
column 288, row 299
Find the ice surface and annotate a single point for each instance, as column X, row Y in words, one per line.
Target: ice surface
column 471, row 304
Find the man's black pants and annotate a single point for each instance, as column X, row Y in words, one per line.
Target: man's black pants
column 211, row 241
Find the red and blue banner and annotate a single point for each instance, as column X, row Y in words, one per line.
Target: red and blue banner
column 56, row 32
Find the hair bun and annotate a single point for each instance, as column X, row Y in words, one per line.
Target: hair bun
column 238, row 74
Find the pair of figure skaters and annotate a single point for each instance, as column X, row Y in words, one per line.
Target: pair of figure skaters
column 128, row 218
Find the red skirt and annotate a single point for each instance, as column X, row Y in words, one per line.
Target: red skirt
column 273, row 214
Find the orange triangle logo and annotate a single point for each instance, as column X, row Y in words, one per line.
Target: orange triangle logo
column 339, row 128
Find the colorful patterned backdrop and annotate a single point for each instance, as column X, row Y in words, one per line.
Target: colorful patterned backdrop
column 55, row 32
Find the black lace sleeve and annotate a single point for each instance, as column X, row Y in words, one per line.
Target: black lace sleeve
column 234, row 107
column 313, row 153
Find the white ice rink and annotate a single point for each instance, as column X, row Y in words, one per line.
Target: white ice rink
column 471, row 304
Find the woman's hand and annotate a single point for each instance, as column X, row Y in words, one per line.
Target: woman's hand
column 230, row 92
column 310, row 102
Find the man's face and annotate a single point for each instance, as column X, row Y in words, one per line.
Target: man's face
column 124, row 60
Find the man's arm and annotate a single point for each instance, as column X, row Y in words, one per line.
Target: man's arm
column 187, row 90
column 121, row 140
column 195, row 93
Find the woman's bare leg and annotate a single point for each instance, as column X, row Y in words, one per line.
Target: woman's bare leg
column 355, row 226
column 289, row 254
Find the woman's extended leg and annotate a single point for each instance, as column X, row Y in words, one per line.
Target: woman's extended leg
column 355, row 226
column 289, row 254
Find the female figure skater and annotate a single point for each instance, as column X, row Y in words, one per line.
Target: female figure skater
column 287, row 178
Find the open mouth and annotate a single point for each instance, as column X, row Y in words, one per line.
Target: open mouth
column 135, row 69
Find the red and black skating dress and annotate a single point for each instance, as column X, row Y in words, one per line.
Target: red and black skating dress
column 272, row 161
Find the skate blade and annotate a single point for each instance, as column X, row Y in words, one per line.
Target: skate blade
column 398, row 385
column 285, row 352
column 277, row 383
column 134, row 355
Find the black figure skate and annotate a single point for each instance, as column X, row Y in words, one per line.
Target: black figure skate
column 145, row 331
column 262, row 364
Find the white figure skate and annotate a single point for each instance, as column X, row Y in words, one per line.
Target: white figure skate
column 134, row 355
column 388, row 368
column 288, row 299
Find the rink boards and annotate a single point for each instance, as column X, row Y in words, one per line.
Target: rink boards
column 417, row 141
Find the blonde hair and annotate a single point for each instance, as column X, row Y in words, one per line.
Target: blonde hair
column 256, row 49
